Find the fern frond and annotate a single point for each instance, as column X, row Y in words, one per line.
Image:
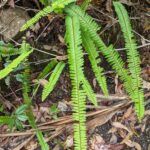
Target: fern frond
column 44, row 73
column 85, row 19
column 132, row 56
column 52, row 80
column 28, row 102
column 94, row 60
column 47, row 10
column 75, row 60
column 47, row 69
column 89, row 91
column 14, row 64
column 57, row 6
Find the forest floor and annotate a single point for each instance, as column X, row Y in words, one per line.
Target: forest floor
column 112, row 125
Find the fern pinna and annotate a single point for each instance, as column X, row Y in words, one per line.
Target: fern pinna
column 75, row 60
column 133, row 57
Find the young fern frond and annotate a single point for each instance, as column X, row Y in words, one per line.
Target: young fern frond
column 57, row 5
column 94, row 60
column 132, row 56
column 28, row 102
column 52, row 80
column 14, row 64
column 47, row 10
column 75, row 60
column 89, row 91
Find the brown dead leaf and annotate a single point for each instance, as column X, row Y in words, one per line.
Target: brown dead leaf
column 100, row 120
column 61, row 57
column 42, row 82
column 128, row 112
column 69, row 142
column 121, row 126
column 146, row 85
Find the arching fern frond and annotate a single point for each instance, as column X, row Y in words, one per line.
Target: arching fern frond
column 14, row 64
column 57, row 6
column 52, row 80
column 75, row 60
column 89, row 91
column 132, row 56
column 47, row 10
column 94, row 60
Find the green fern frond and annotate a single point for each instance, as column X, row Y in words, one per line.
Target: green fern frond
column 44, row 73
column 89, row 91
column 85, row 19
column 75, row 60
column 47, row 10
column 52, row 80
column 95, row 60
column 57, row 6
column 28, row 102
column 14, row 64
column 132, row 56
column 47, row 69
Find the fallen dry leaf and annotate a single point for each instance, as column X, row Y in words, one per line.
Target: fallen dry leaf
column 121, row 126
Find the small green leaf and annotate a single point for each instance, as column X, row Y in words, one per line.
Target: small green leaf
column 21, row 109
column 22, row 117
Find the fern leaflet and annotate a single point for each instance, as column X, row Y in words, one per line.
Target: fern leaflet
column 52, row 80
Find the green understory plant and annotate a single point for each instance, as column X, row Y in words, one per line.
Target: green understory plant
column 82, row 33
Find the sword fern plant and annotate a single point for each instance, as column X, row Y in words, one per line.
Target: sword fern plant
column 81, row 33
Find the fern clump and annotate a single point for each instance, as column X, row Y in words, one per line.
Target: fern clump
column 132, row 82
